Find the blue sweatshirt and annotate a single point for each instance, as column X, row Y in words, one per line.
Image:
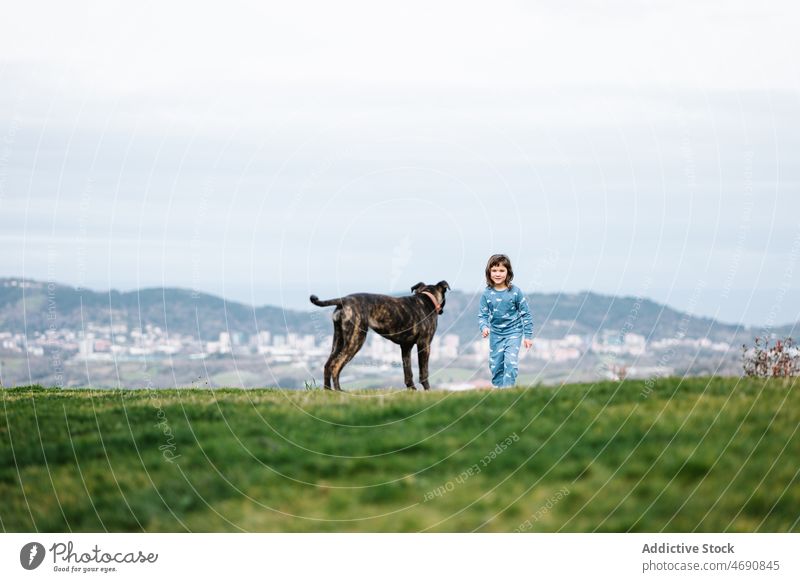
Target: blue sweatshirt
column 505, row 312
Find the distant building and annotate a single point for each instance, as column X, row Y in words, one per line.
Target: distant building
column 225, row 343
column 86, row 346
column 444, row 348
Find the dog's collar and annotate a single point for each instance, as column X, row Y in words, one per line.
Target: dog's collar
column 429, row 294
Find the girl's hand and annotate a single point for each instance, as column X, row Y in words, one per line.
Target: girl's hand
column 485, row 332
column 527, row 343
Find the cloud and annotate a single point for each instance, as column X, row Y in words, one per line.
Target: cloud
column 614, row 134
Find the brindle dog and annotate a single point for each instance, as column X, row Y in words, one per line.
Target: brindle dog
column 403, row 320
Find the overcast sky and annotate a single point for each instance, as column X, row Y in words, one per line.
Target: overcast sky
column 268, row 152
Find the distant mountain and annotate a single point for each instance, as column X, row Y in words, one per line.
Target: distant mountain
column 32, row 306
column 36, row 306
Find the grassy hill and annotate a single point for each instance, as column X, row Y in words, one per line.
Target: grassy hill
column 700, row 454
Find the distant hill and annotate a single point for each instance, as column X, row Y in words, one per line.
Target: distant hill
column 180, row 311
column 587, row 313
column 35, row 305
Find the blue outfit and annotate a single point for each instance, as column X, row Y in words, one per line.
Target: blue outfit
column 505, row 313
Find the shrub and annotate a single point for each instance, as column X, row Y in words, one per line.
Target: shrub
column 778, row 360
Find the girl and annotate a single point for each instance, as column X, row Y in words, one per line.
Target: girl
column 505, row 315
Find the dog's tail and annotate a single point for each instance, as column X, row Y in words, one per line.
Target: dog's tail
column 315, row 300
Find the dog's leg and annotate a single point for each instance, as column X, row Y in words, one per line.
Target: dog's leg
column 353, row 337
column 407, row 373
column 423, row 353
column 336, row 347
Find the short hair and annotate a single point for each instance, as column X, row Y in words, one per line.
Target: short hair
column 499, row 260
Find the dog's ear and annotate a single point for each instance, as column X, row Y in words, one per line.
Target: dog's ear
column 443, row 285
column 418, row 286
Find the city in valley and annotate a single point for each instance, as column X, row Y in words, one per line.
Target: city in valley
column 108, row 355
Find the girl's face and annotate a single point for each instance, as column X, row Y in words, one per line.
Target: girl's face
column 498, row 273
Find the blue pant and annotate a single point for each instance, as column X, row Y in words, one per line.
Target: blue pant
column 504, row 358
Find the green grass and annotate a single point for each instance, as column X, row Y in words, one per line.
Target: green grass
column 700, row 454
